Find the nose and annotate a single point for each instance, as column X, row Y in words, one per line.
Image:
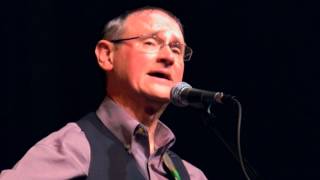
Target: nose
column 166, row 56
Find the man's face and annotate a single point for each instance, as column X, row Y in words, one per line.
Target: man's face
column 151, row 75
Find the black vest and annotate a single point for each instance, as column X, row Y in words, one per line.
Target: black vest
column 109, row 159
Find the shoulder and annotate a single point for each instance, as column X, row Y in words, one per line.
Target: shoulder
column 69, row 142
column 63, row 154
column 69, row 134
column 194, row 172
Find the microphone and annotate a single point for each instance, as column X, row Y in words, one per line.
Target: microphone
column 182, row 94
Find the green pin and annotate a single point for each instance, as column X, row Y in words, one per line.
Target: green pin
column 173, row 171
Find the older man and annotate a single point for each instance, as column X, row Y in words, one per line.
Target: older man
column 143, row 54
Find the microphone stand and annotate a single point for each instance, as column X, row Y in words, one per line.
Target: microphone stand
column 248, row 170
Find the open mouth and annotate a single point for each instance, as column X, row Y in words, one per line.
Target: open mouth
column 160, row 75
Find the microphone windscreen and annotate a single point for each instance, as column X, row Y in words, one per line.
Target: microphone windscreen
column 176, row 94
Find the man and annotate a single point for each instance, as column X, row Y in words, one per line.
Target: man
column 142, row 53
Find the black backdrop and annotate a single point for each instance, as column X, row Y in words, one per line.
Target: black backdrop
column 264, row 52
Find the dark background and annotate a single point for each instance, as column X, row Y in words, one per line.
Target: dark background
column 264, row 52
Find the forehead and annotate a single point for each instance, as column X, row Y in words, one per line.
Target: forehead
column 149, row 21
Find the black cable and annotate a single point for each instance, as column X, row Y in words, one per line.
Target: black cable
column 245, row 166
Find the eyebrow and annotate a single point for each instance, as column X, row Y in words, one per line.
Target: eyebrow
column 175, row 38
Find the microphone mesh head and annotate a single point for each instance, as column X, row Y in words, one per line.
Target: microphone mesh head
column 176, row 94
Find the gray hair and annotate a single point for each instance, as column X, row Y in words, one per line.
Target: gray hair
column 114, row 28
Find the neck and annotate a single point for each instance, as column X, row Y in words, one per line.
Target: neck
column 143, row 110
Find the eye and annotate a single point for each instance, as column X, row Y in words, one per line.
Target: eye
column 149, row 42
column 176, row 48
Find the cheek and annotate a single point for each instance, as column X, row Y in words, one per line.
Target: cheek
column 137, row 66
column 128, row 64
column 179, row 70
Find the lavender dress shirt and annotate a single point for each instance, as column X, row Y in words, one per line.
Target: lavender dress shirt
column 65, row 154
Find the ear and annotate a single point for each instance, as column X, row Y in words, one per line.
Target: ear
column 104, row 53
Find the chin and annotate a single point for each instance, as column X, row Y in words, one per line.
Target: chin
column 158, row 92
column 163, row 98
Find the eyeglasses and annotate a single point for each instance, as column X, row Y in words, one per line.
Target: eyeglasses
column 152, row 43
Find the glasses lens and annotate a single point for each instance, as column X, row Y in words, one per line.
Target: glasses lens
column 187, row 53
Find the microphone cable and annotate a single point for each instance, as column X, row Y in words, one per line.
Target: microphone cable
column 241, row 160
column 245, row 166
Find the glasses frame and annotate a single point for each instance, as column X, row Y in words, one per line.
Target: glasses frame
column 187, row 50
